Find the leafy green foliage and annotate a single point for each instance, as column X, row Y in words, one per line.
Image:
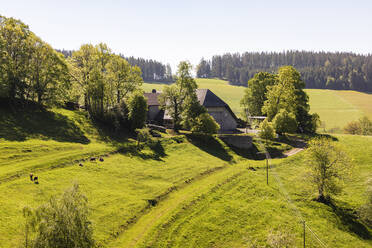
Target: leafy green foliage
column 288, row 94
column 180, row 100
column 267, row 131
column 255, row 95
column 143, row 136
column 100, row 78
column 137, row 106
column 329, row 164
column 285, row 122
column 62, row 222
column 30, row 68
column 205, row 123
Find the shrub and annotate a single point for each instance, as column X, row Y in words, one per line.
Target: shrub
column 267, row 131
column 285, row 122
column 143, row 135
column 62, row 222
column 205, row 123
column 352, row 128
column 362, row 127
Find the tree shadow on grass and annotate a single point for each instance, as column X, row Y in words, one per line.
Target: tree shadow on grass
column 349, row 219
column 156, row 151
column 252, row 153
column 210, row 145
column 36, row 122
column 107, row 133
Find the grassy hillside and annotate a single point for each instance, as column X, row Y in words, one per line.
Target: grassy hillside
column 235, row 208
column 336, row 108
column 205, row 193
column 118, row 189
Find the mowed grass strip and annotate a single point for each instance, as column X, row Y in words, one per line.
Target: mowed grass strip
column 245, row 210
column 334, row 110
column 180, row 199
column 118, row 189
column 359, row 99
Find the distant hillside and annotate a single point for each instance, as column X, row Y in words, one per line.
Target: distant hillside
column 320, row 70
column 336, row 108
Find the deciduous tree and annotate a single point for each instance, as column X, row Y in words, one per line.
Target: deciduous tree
column 255, row 95
column 329, row 165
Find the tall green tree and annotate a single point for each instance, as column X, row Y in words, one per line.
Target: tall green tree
column 255, row 95
column 329, row 165
column 174, row 97
column 15, row 52
column 49, row 74
column 288, row 94
column 203, row 70
column 122, row 78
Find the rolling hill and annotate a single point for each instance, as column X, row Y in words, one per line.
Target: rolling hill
column 336, row 108
column 183, row 191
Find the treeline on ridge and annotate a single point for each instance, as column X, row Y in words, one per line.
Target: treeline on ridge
column 320, row 70
column 152, row 70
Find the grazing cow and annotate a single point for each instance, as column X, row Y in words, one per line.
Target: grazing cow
column 80, row 164
column 31, row 177
column 101, row 159
column 92, row 159
column 36, row 180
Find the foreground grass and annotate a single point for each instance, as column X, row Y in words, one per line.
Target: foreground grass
column 240, row 210
column 120, row 189
column 204, row 193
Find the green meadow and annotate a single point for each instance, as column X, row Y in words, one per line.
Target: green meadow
column 336, row 108
column 182, row 191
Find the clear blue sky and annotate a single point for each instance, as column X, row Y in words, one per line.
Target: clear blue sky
column 171, row 30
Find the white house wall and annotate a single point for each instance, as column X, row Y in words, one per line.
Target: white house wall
column 223, row 117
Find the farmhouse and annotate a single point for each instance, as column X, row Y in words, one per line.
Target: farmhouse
column 215, row 106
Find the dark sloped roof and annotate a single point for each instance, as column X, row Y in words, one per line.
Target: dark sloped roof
column 208, row 99
column 152, row 99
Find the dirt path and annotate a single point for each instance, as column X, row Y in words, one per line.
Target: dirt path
column 299, row 146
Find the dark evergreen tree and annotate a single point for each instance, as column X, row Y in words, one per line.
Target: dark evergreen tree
column 322, row 70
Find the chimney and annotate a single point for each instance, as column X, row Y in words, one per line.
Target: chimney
column 153, row 91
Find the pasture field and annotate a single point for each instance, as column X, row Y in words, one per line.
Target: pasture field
column 336, row 108
column 182, row 191
column 241, row 210
column 118, row 189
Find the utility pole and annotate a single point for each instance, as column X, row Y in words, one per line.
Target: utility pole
column 267, row 171
column 304, row 234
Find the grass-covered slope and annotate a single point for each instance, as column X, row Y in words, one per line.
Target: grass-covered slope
column 336, row 108
column 240, row 210
column 119, row 190
column 184, row 191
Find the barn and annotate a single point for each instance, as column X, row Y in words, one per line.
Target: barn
column 215, row 106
